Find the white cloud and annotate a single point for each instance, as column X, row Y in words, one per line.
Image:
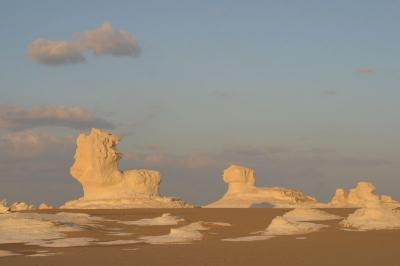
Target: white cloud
column 101, row 41
column 49, row 52
column 157, row 158
column 198, row 161
column 15, row 118
column 17, row 145
column 104, row 40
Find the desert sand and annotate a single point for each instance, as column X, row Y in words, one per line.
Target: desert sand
column 329, row 246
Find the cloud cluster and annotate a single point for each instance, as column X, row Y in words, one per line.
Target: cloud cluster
column 195, row 161
column 28, row 144
column 104, row 41
column 14, row 118
column 35, row 166
column 55, row 52
column 101, row 41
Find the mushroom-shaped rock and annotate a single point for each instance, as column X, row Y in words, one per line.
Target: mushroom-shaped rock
column 242, row 192
column 239, row 179
column 96, row 167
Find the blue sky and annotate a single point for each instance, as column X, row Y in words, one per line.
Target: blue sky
column 305, row 92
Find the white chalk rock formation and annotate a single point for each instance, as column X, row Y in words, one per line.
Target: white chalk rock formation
column 46, row 230
column 280, row 226
column 378, row 217
column 283, row 226
column 164, row 219
column 21, row 206
column 44, row 206
column 242, row 192
column 3, row 207
column 105, row 186
column 360, row 196
column 309, row 215
column 179, row 235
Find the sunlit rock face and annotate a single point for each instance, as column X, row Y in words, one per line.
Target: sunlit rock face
column 21, row 206
column 44, row 206
column 3, row 207
column 360, row 196
column 242, row 192
column 96, row 167
column 377, row 217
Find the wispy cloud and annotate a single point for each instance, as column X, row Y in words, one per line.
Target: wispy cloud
column 16, row 118
column 104, row 40
column 18, row 145
column 55, row 52
column 157, row 158
column 244, row 150
column 101, row 41
column 35, row 166
column 195, row 161
column 365, row 71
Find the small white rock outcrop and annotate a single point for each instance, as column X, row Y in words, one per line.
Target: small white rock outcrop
column 44, row 206
column 283, row 226
column 373, row 217
column 242, row 192
column 310, row 215
column 21, row 206
column 3, row 207
column 96, row 167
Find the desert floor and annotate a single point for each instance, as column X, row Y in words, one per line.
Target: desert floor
column 331, row 246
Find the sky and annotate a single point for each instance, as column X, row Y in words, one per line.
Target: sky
column 305, row 92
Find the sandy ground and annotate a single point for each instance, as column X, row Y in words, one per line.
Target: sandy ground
column 331, row 246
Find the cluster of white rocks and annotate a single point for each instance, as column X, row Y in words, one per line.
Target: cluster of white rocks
column 299, row 221
column 21, row 206
column 105, row 186
column 361, row 196
column 242, row 193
